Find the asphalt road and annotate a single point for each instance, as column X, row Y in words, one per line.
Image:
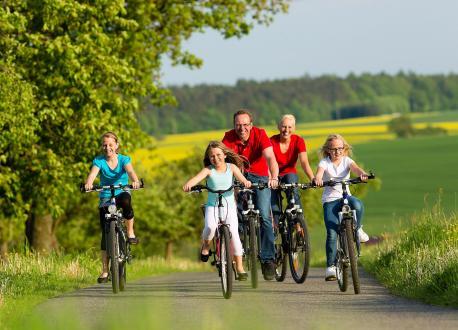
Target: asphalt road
column 195, row 301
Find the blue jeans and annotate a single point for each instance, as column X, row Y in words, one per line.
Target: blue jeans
column 261, row 200
column 331, row 220
column 275, row 199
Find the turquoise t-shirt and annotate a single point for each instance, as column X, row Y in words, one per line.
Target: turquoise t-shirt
column 110, row 176
column 220, row 181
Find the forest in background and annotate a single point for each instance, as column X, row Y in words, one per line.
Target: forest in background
column 210, row 107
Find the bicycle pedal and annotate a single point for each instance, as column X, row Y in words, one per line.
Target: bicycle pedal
column 213, row 263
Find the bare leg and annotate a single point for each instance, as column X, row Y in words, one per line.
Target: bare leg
column 104, row 257
column 130, row 227
column 205, row 247
column 239, row 264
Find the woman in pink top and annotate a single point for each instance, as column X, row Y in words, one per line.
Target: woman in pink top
column 288, row 148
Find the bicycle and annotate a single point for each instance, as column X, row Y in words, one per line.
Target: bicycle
column 291, row 237
column 221, row 243
column 117, row 244
column 249, row 220
column 348, row 245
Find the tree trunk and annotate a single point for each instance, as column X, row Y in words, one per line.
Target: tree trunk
column 43, row 238
column 168, row 250
column 3, row 249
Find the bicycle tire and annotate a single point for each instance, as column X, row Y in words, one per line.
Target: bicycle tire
column 114, row 252
column 280, row 255
column 253, row 254
column 225, row 261
column 341, row 266
column 122, row 264
column 299, row 248
column 352, row 254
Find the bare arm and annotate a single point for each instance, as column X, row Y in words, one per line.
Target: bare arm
column 196, row 179
column 303, row 159
column 269, row 155
column 239, row 176
column 91, row 177
column 319, row 176
column 358, row 171
column 132, row 175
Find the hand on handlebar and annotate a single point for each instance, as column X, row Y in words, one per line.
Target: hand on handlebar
column 364, row 176
column 247, row 184
column 318, row 182
column 273, row 183
column 88, row 186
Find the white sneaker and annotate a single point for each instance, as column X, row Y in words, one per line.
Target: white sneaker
column 363, row 237
column 331, row 273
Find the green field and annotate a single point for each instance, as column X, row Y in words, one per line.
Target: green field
column 413, row 171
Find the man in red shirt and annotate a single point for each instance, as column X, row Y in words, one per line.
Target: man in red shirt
column 253, row 143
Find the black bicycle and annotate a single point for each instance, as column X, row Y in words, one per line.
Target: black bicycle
column 221, row 243
column 291, row 236
column 249, row 221
column 117, row 244
column 348, row 244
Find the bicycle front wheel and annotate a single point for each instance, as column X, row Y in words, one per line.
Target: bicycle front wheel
column 253, row 253
column 341, row 263
column 280, row 255
column 114, row 254
column 299, row 253
column 226, row 261
column 122, row 264
column 352, row 254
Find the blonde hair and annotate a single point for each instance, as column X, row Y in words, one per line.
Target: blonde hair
column 287, row 116
column 231, row 157
column 324, row 151
column 112, row 136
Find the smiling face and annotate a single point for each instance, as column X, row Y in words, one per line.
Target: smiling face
column 286, row 128
column 336, row 149
column 243, row 126
column 217, row 157
column 109, row 147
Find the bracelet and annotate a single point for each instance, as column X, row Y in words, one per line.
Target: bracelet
column 274, row 179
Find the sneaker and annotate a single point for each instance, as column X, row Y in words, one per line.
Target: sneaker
column 330, row 273
column 363, row 237
column 268, row 270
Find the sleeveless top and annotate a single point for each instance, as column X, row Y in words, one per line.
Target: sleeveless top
column 220, row 181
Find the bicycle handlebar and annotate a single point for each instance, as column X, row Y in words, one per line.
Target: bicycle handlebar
column 286, row 186
column 199, row 188
column 105, row 188
column 331, row 183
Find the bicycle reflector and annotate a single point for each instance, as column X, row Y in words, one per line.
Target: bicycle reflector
column 112, row 208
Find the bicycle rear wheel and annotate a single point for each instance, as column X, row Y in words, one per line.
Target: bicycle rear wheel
column 352, row 254
column 113, row 254
column 299, row 253
column 253, row 251
column 341, row 263
column 225, row 261
column 280, row 255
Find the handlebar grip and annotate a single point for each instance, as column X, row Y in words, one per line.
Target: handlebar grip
column 198, row 187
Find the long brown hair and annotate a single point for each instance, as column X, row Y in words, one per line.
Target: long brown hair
column 231, row 157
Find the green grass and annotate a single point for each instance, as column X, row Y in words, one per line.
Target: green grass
column 421, row 262
column 414, row 172
column 26, row 280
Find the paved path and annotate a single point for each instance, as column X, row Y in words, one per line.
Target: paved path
column 194, row 301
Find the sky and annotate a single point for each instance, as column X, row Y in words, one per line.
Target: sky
column 337, row 37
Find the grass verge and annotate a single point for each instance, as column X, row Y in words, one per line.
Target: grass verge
column 421, row 262
column 28, row 279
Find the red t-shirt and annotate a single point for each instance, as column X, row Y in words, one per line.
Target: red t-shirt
column 287, row 161
column 257, row 142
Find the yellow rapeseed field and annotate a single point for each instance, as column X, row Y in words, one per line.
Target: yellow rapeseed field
column 356, row 130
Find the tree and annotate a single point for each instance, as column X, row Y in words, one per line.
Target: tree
column 88, row 63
